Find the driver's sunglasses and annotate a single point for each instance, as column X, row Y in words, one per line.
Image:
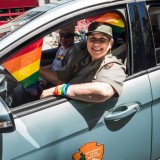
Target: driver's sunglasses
column 67, row 35
column 98, row 40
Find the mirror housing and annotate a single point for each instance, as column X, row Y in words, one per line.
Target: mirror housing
column 6, row 118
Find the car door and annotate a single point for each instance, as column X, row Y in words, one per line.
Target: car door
column 154, row 75
column 119, row 128
column 1, row 146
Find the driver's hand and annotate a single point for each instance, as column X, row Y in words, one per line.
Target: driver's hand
column 47, row 92
column 43, row 82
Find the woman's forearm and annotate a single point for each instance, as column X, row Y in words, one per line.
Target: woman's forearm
column 88, row 92
column 91, row 92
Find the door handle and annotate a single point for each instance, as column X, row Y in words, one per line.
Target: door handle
column 122, row 111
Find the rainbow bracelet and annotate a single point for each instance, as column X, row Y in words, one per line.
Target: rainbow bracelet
column 61, row 90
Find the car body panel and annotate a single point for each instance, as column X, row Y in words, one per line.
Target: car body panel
column 75, row 129
column 154, row 78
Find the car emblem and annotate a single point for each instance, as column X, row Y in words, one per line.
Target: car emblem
column 91, row 150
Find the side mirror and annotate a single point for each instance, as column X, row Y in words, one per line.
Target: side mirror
column 6, row 118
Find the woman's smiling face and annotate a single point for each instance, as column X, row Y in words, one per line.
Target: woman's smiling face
column 98, row 45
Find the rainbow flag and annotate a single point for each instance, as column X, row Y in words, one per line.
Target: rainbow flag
column 24, row 65
column 60, row 57
column 114, row 19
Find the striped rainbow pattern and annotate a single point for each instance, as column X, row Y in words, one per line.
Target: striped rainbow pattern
column 114, row 19
column 60, row 57
column 24, row 65
column 111, row 18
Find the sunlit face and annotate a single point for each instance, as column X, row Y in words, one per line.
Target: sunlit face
column 66, row 39
column 98, row 45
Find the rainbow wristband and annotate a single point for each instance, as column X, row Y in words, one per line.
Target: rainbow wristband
column 65, row 90
column 57, row 90
column 61, row 90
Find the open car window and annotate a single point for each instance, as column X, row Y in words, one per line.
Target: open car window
column 26, row 66
column 81, row 27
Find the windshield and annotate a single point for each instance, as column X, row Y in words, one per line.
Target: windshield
column 18, row 22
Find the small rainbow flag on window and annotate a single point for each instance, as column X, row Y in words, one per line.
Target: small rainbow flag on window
column 24, row 65
column 114, row 19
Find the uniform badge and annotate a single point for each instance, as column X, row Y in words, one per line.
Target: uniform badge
column 89, row 151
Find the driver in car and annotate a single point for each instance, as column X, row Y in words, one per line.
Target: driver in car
column 94, row 75
column 64, row 53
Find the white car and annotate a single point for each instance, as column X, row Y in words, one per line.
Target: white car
column 122, row 128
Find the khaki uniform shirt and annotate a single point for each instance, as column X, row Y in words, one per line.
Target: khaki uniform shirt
column 80, row 69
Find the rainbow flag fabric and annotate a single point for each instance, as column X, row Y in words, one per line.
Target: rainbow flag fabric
column 114, row 19
column 24, row 65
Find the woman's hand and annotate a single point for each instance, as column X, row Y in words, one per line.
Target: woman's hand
column 47, row 92
column 43, row 82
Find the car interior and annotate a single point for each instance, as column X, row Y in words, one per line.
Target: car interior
column 119, row 48
column 50, row 48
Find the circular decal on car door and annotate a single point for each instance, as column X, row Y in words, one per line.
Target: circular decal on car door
column 89, row 151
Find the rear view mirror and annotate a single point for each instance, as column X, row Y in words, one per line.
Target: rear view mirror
column 6, row 118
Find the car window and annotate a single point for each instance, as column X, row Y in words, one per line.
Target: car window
column 154, row 13
column 49, row 43
column 119, row 48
